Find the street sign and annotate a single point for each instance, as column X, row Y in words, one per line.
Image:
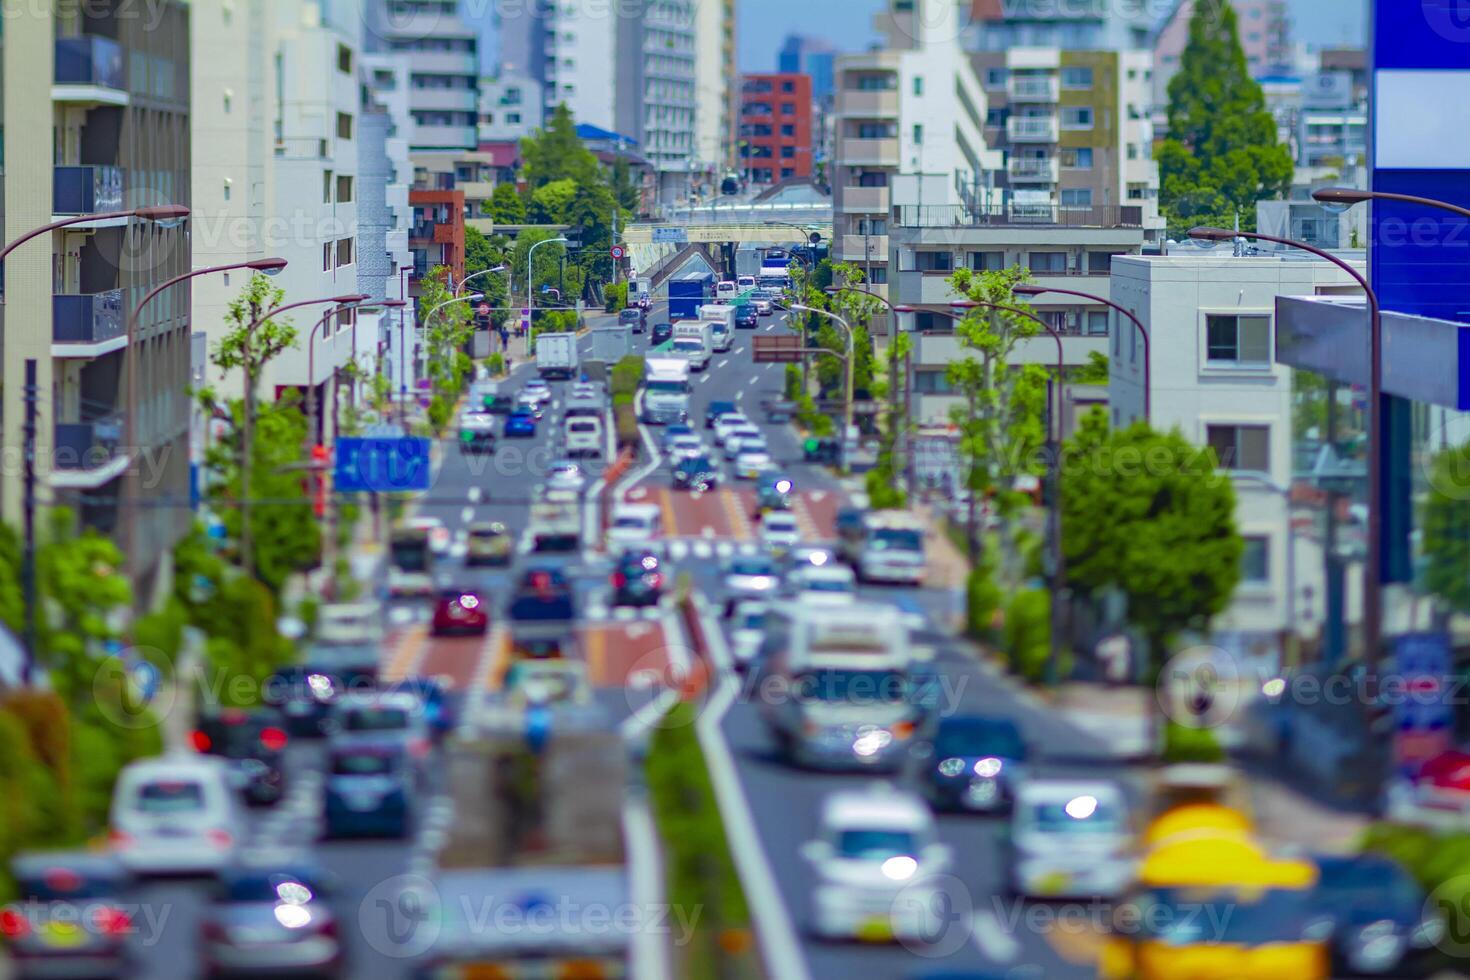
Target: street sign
column 673, row 236
column 383, row 465
column 617, row 251
column 776, row 350
column 483, row 310
column 1422, row 711
column 525, row 319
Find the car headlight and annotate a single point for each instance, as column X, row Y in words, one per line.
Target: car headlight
column 989, row 767
column 1379, row 946
column 952, row 767
column 1429, row 932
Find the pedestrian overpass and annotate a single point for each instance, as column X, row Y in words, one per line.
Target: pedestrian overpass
column 754, row 223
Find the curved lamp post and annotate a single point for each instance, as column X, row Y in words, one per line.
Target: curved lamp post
column 1033, row 291
column 895, row 310
column 530, row 299
column 475, row 275
column 342, row 303
column 847, row 396
column 1372, row 575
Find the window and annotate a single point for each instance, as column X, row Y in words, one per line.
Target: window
column 1077, row 158
column 788, row 86
column 995, row 78
column 1077, row 76
column 878, row 275
column 788, row 152
column 344, row 126
column 326, row 256
column 1240, row 447
column 1052, row 262
column 788, row 130
column 226, row 188
column 1101, row 263
column 512, row 118
column 874, row 83
column 995, row 118
column 932, row 382
column 918, row 133
column 918, row 84
column 327, row 187
column 787, row 172
column 344, row 189
column 1117, row 344
column 344, row 59
column 987, row 261
column 1255, row 559
column 344, row 252
column 1077, row 197
column 226, row 100
column 934, row 261
column 1077, row 117
column 788, row 108
column 1097, row 323
column 1232, row 339
column 1133, row 151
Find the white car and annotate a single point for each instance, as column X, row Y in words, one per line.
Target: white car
column 745, row 282
column 537, row 390
column 763, row 305
column 750, row 576
column 728, row 423
column 175, row 814
column 747, row 437
column 828, row 584
column 751, row 463
column 747, row 630
column 779, row 532
column 681, row 447
column 439, row 536
column 634, row 525
column 877, row 865
column 1070, row 838
column 564, row 474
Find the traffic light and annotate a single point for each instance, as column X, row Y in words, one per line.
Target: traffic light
column 810, row 445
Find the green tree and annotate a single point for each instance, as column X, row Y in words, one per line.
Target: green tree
column 82, row 591
column 552, row 203
column 555, row 152
column 1094, row 372
column 1446, row 523
column 1222, row 154
column 506, row 206
column 1149, row 514
column 446, row 334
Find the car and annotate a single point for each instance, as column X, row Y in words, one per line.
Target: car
column 779, row 532
column 488, row 543
column 877, row 863
column 826, row 584
column 175, row 814
column 375, row 716
column 672, row 431
column 520, row 424
column 476, row 433
column 681, row 446
column 762, row 302
column 565, row 474
column 370, row 790
column 460, row 612
column 635, row 525
column 809, row 554
column 588, row 390
column 633, row 316
column 543, row 593
column 1382, row 924
column 747, row 631
column 695, row 473
column 69, row 917
column 532, row 406
column 774, row 495
column 745, row 437
column 661, row 333
column 434, row 702
column 745, row 282
column 715, row 409
column 972, row 763
column 1069, row 838
column 537, row 390
column 750, row 577
column 271, row 915
column 752, row 464
column 544, row 682
column 637, row 579
column 303, row 694
column 747, row 317
column 253, row 745
column 728, row 423
column 438, row 534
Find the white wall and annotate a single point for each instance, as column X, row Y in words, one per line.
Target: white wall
column 586, row 34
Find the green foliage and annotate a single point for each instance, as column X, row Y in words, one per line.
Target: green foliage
column 555, row 152
column 791, row 387
column 12, row 605
column 625, row 376
column 82, row 589
column 1146, row 513
column 1185, row 744
column 551, row 203
column 446, row 333
column 983, row 598
column 615, row 297
column 1438, row 861
column 1222, row 154
column 1094, row 372
column 1026, row 637
column 1446, row 524
column 495, row 364
column 506, row 206
column 582, row 194
column 251, row 350
column 882, row 485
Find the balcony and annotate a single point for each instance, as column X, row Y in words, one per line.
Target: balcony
column 85, row 325
column 868, row 103
column 1018, row 216
column 445, row 137
column 89, row 72
column 1032, row 88
column 1044, row 170
column 476, row 190
column 440, row 63
column 87, row 455
column 868, row 152
column 445, row 99
column 863, row 248
column 1033, row 129
column 865, row 200
column 86, row 190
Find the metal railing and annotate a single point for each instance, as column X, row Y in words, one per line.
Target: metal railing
column 960, row 216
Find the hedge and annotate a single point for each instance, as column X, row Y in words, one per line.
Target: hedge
column 1185, row 744
column 1026, row 636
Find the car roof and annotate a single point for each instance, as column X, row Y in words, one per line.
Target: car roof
column 832, row 571
column 866, row 808
column 379, row 699
column 637, row 510
column 1062, row 790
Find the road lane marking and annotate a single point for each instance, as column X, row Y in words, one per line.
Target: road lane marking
column 409, row 655
column 754, row 380
column 467, row 515
column 594, row 651
column 666, row 504
column 804, row 519
column 740, row 528
column 992, row 939
column 723, row 362
column 495, row 658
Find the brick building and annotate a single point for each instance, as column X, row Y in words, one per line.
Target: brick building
column 437, row 235
column 776, row 126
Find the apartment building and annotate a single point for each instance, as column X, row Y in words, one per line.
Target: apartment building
column 776, row 127
column 1213, row 376
column 444, row 68
column 96, row 117
column 1078, row 25
column 812, row 56
column 1265, row 36
column 656, row 90
column 511, row 107
column 716, row 96
column 1075, row 128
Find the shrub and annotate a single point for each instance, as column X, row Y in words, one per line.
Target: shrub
column 1027, row 633
column 615, row 297
column 495, row 364
column 626, row 375
column 625, row 422
column 982, row 601
column 1185, row 744
column 792, row 387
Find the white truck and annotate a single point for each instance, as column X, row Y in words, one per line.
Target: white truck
column 722, row 317
column 887, row 547
column 556, row 355
column 665, row 390
column 640, row 292
column 694, row 340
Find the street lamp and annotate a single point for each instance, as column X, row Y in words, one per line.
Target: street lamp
column 342, row 303
column 907, row 402
column 1033, row 291
column 847, row 399
column 475, row 275
column 1373, row 574
column 530, row 300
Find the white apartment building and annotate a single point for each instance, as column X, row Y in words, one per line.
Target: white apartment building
column 715, row 84
column 511, row 107
column 444, row 66
column 1210, row 319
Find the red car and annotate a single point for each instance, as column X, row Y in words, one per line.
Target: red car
column 459, row 611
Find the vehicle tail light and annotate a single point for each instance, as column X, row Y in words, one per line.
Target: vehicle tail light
column 273, row 739
column 654, row 580
column 13, row 924
column 213, row 932
column 418, row 748
column 619, row 580
column 120, row 838
column 200, row 741
column 112, row 921
column 219, row 838
column 903, row 729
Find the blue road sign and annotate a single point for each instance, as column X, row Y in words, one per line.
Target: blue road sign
column 673, row 236
column 383, row 465
column 1422, row 711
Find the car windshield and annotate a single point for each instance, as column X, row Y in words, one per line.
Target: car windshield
column 875, row 845
column 962, row 736
column 582, row 425
column 668, row 387
column 897, row 540
column 780, row 527
column 170, row 797
column 695, row 464
column 632, row 523
column 62, row 884
column 1198, row 916
column 1094, row 817
column 686, row 344
column 411, row 556
column 827, row 585
column 752, row 621
column 751, row 566
column 267, row 887
column 375, row 720
column 864, row 686
column 363, row 764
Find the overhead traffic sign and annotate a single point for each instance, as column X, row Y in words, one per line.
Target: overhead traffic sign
column 382, row 465
column 673, row 236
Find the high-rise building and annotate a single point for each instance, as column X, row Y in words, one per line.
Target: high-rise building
column 444, row 68
column 511, row 107
column 96, row 117
column 775, row 127
column 811, row 56
column 1265, row 36
column 1077, row 25
column 715, row 94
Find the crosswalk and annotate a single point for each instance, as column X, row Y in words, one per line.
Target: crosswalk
column 681, row 549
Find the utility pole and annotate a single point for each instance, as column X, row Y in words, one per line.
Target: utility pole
column 28, row 503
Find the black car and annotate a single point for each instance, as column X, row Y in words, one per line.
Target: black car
column 662, row 334
column 304, row 696
column 544, row 593
column 1381, row 924
column 254, row 744
column 638, row 580
column 747, row 317
column 973, row 764
column 715, row 410
column 634, row 317
column 69, row 917
column 823, row 450
column 695, row 473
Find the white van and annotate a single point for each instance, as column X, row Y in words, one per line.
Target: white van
column 175, row 814
column 585, row 435
column 635, row 526
column 726, row 291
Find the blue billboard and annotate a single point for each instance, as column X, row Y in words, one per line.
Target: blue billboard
column 382, row 465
